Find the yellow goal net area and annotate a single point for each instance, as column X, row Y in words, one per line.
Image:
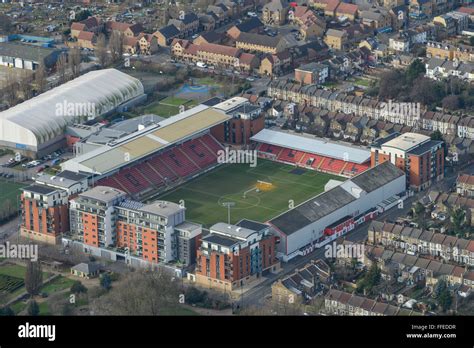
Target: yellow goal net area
column 264, row 185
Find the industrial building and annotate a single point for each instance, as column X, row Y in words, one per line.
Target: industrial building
column 36, row 126
column 16, row 55
column 305, row 224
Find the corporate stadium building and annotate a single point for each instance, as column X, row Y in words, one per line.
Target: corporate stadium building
column 36, row 126
column 306, row 223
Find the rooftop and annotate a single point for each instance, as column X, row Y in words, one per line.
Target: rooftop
column 312, row 145
column 407, row 141
column 230, row 230
column 102, row 193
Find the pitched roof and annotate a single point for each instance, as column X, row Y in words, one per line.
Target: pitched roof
column 466, row 179
column 347, row 8
column 169, row 31
column 249, row 25
column 258, row 39
column 86, row 35
column 276, row 5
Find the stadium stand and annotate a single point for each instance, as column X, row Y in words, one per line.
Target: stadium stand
column 179, row 162
column 297, row 151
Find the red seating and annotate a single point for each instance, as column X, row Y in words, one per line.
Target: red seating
column 332, row 165
column 291, row 156
column 198, row 153
column 211, row 143
column 161, row 168
column 179, row 163
column 147, row 171
column 271, row 149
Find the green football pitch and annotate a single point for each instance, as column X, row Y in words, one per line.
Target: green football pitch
column 9, row 191
column 259, row 193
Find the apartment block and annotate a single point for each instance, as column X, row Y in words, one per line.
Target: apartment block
column 44, row 213
column 45, row 205
column 103, row 218
column 421, row 158
column 92, row 215
column 231, row 256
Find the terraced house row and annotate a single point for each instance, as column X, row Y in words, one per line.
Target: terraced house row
column 343, row 303
column 372, row 108
column 417, row 241
column 415, row 269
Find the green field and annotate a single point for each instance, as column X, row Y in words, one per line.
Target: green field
column 168, row 107
column 9, row 191
column 204, row 196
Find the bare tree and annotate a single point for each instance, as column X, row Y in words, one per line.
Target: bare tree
column 75, row 61
column 11, row 86
column 157, row 293
column 61, row 68
column 33, row 277
column 24, row 85
column 101, row 50
column 116, row 45
column 40, row 79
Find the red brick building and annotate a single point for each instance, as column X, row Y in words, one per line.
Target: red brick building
column 247, row 120
column 44, row 213
column 45, row 205
column 231, row 256
column 421, row 158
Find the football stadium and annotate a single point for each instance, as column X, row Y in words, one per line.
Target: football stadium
column 258, row 193
column 302, row 186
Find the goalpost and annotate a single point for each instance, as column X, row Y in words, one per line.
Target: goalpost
column 259, row 186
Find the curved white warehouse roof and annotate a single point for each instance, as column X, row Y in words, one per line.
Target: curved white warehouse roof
column 43, row 118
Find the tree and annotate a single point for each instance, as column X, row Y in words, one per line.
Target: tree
column 451, row 102
column 443, row 295
column 61, row 68
column 5, row 24
column 78, row 288
column 101, row 50
column 40, row 79
column 426, row 91
column 157, row 292
column 6, row 312
column 10, row 87
column 458, row 218
column 116, row 45
column 391, row 84
column 84, row 14
column 371, row 279
column 105, row 281
column 24, row 85
column 436, row 135
column 33, row 308
column 415, row 69
column 75, row 61
column 33, row 277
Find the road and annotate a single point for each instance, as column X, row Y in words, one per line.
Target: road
column 256, row 295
